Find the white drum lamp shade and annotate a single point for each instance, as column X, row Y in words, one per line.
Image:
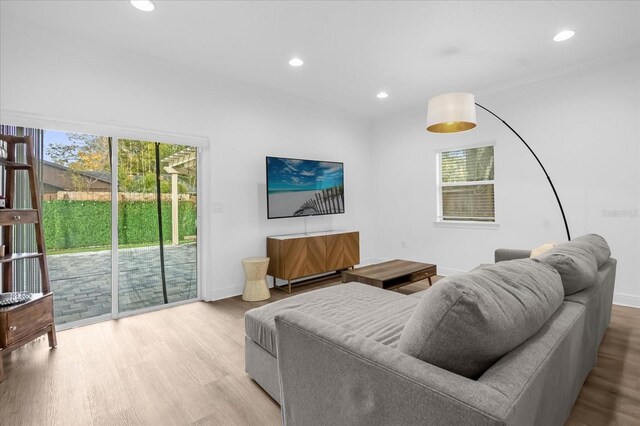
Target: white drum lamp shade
column 451, row 113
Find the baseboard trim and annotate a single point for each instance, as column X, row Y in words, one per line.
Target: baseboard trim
column 371, row 261
column 225, row 293
column 626, row 300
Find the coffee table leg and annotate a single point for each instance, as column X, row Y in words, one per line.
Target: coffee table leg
column 430, row 283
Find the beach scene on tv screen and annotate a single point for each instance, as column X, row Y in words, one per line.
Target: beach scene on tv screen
column 304, row 187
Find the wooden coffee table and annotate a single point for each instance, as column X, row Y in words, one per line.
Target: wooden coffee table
column 392, row 274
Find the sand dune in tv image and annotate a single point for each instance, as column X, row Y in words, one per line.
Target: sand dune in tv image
column 304, row 187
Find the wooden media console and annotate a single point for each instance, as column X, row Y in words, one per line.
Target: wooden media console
column 303, row 255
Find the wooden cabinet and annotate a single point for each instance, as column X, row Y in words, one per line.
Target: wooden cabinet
column 298, row 256
column 21, row 323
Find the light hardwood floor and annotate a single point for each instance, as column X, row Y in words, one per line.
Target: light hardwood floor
column 186, row 365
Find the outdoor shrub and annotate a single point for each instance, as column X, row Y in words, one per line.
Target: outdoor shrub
column 77, row 224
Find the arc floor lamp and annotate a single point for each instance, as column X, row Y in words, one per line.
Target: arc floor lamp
column 456, row 112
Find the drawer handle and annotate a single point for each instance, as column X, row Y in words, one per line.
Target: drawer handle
column 17, row 217
column 13, row 328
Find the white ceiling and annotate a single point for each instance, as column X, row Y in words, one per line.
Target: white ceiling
column 352, row 50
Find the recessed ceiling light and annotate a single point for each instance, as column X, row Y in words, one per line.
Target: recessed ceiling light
column 296, row 62
column 564, row 35
column 144, row 5
column 382, row 95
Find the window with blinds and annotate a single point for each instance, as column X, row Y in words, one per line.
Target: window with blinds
column 466, row 186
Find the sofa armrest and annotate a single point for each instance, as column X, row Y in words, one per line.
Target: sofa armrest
column 329, row 375
column 503, row 254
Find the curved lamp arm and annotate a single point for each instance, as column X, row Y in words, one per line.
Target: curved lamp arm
column 564, row 218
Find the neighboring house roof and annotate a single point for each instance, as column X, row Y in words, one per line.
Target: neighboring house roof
column 98, row 175
column 101, row 176
column 56, row 177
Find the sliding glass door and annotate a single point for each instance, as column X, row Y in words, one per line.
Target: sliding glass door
column 156, row 224
column 119, row 218
column 75, row 177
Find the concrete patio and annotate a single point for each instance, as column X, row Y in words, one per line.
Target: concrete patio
column 81, row 282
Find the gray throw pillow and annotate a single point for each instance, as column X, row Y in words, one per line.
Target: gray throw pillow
column 577, row 266
column 466, row 322
column 595, row 244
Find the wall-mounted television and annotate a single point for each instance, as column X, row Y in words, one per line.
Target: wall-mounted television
column 298, row 187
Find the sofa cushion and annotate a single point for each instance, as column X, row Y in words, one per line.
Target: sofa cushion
column 595, row 244
column 577, row 266
column 372, row 312
column 542, row 249
column 466, row 322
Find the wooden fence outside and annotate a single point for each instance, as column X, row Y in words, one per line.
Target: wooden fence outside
column 106, row 196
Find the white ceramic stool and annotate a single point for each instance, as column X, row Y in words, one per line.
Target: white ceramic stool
column 255, row 285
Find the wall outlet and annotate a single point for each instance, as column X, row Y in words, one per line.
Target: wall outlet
column 218, row 207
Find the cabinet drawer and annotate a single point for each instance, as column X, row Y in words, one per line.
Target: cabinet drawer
column 25, row 319
column 17, row 217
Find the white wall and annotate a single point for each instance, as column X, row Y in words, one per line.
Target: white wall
column 583, row 126
column 51, row 75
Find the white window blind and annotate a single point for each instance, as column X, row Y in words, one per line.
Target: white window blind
column 466, row 185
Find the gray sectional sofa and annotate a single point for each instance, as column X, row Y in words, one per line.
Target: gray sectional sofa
column 509, row 343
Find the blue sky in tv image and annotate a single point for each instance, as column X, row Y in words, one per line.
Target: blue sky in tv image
column 291, row 175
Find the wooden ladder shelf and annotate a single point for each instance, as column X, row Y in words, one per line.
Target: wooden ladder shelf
column 21, row 323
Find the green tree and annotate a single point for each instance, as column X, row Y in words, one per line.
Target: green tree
column 137, row 166
column 136, row 163
column 84, row 153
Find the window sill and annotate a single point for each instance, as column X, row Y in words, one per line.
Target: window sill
column 465, row 224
